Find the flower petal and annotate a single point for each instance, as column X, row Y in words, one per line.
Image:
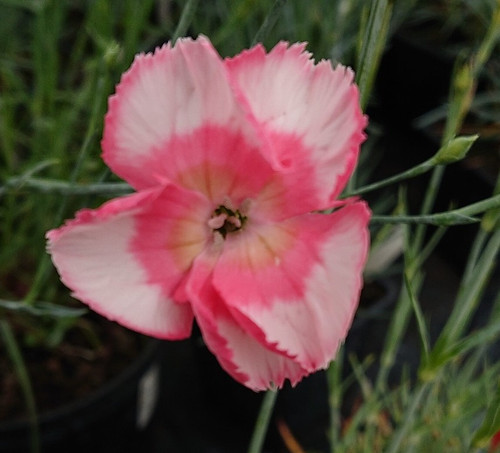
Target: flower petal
column 126, row 258
column 309, row 116
column 294, row 286
column 169, row 93
column 244, row 358
column 170, row 233
column 216, row 161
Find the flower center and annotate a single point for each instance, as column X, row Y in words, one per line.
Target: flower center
column 226, row 220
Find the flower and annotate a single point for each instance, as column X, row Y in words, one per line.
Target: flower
column 231, row 161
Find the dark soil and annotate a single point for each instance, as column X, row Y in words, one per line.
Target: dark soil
column 93, row 351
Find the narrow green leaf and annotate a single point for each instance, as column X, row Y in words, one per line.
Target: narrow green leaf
column 411, row 417
column 16, row 357
column 374, row 37
column 444, row 353
column 492, row 216
column 490, row 425
column 470, row 293
column 422, row 328
column 269, row 21
column 185, row 20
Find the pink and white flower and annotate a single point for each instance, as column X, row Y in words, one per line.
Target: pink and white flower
column 231, row 161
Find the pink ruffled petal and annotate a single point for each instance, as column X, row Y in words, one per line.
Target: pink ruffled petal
column 165, row 95
column 127, row 257
column 170, row 233
column 309, row 117
column 244, row 358
column 294, row 286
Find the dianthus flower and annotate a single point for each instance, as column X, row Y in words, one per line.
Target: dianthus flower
column 231, row 160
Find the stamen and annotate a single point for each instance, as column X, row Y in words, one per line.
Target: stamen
column 235, row 221
column 218, row 221
column 226, row 219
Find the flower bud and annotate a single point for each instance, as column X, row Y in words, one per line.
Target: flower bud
column 455, row 150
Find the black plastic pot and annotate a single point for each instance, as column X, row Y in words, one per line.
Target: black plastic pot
column 204, row 410
column 112, row 419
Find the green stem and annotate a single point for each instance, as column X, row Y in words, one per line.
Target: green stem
column 430, row 196
column 410, row 173
column 453, row 217
column 19, row 181
column 185, row 20
column 335, row 391
column 262, row 423
column 41, row 308
column 453, row 151
column 52, row 186
column 22, row 375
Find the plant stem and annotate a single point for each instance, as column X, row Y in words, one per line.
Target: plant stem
column 22, row 375
column 410, row 173
column 67, row 188
column 453, row 217
column 18, row 181
column 335, row 391
column 262, row 423
column 452, row 151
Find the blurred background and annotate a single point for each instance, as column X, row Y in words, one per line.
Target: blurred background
column 59, row 62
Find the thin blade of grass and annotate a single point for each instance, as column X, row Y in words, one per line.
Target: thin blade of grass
column 374, row 37
column 269, row 21
column 422, row 327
